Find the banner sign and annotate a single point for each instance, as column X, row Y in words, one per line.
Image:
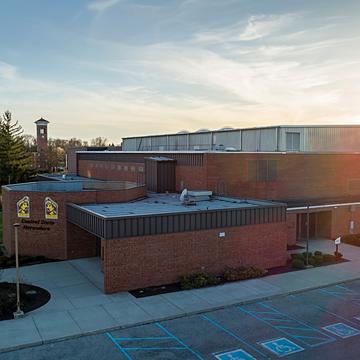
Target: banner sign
column 23, row 207
column 51, row 209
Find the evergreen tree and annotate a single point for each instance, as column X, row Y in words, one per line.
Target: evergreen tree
column 15, row 161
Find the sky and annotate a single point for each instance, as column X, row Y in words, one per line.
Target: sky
column 117, row 68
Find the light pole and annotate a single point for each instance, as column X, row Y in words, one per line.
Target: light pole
column 18, row 313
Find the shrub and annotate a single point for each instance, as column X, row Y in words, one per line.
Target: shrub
column 198, row 280
column 304, row 254
column 312, row 261
column 298, row 264
column 297, row 256
column 242, row 273
column 318, row 259
column 317, row 253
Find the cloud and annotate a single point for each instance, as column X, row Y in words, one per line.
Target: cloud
column 102, row 5
column 7, row 71
column 256, row 27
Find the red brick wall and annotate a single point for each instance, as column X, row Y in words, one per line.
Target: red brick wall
column 80, row 243
column 341, row 221
column 136, row 262
column 291, row 229
column 108, row 170
column 52, row 243
column 299, row 176
column 191, row 177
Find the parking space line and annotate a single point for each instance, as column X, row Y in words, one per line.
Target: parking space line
column 297, row 298
column 144, row 338
column 154, row 348
column 216, row 324
column 179, row 341
column 119, row 346
column 299, row 330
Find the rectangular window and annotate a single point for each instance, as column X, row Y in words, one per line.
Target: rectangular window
column 262, row 170
column 292, row 141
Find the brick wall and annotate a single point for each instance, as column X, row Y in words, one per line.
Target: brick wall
column 112, row 170
column 80, row 243
column 291, row 220
column 299, row 176
column 136, row 262
column 52, row 240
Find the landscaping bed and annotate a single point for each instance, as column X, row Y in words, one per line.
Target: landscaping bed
column 200, row 280
column 32, row 297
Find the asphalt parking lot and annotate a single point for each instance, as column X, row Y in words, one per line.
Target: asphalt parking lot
column 318, row 324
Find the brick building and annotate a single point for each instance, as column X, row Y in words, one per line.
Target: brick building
column 258, row 205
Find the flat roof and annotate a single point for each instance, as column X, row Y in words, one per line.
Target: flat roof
column 157, row 204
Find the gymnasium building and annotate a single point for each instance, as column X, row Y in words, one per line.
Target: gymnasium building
column 247, row 195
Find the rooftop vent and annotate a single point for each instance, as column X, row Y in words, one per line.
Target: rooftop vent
column 183, row 132
column 202, row 130
column 226, row 128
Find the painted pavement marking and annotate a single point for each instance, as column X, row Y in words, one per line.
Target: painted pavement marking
column 286, row 324
column 282, row 346
column 227, row 331
column 169, row 337
column 238, row 354
column 342, row 330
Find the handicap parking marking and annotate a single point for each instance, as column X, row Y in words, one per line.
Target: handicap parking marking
column 238, row 354
column 342, row 330
column 282, row 346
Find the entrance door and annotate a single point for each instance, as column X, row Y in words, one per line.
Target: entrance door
column 319, row 225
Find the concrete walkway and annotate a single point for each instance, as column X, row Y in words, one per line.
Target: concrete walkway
column 79, row 307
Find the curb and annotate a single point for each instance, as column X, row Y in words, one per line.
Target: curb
column 191, row 313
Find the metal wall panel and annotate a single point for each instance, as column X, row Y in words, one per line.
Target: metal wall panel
column 282, row 137
column 200, row 141
column 178, row 142
column 268, row 139
column 230, row 138
column 110, row 228
column 129, row 144
column 250, row 140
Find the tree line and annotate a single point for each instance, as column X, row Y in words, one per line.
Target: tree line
column 17, row 149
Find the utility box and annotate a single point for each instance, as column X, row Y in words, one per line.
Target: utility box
column 160, row 174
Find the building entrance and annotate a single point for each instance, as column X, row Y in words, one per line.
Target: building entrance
column 319, row 225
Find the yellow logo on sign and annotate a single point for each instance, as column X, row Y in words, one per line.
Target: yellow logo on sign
column 23, row 207
column 51, row 209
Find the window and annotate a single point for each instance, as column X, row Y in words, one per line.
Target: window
column 262, row 170
column 42, row 131
column 292, row 141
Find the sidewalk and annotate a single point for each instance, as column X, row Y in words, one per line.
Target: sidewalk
column 79, row 307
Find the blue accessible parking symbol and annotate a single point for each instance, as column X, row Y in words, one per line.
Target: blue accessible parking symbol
column 282, row 346
column 342, row 330
column 238, row 354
